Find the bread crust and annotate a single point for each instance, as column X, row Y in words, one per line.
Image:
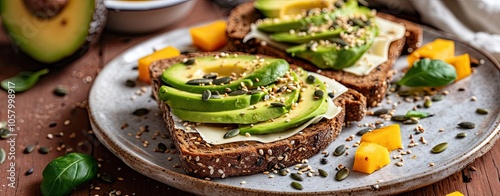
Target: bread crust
column 372, row 86
column 203, row 160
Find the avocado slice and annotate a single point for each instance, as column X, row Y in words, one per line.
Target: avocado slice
column 264, row 110
column 309, row 107
column 296, row 39
column 55, row 32
column 272, row 8
column 176, row 98
column 244, row 70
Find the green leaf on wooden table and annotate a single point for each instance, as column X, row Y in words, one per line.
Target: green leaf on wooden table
column 431, row 73
column 65, row 173
column 23, row 80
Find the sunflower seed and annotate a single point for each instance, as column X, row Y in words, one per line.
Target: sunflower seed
column 140, row 112
column 130, row 83
column 399, row 118
column 296, row 176
column 297, row 185
column 206, row 95
column 342, row 174
column 363, row 131
column 199, row 81
column 60, row 91
column 322, row 173
column 411, row 121
column 440, row 147
column 28, row 149
column 29, row 172
column 380, row 112
column 231, row 133
column 43, row 150
column 404, row 93
column 255, row 91
column 339, row 150
column 223, row 80
column 210, row 76
column 189, row 62
column 461, row 135
column 467, row 125
column 106, row 178
column 482, row 111
column 277, row 104
column 237, row 92
column 338, row 41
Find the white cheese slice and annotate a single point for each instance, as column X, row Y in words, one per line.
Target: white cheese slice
column 215, row 135
column 377, row 54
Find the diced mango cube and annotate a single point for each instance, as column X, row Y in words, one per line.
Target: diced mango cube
column 144, row 62
column 456, row 193
column 370, row 157
column 209, row 37
column 438, row 49
column 388, row 136
column 461, row 64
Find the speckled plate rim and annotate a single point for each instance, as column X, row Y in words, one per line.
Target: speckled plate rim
column 204, row 187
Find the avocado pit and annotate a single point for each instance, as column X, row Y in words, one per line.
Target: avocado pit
column 45, row 9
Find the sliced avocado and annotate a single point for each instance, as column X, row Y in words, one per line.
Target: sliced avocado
column 244, row 70
column 261, row 111
column 51, row 31
column 333, row 56
column 309, row 107
column 296, row 39
column 272, row 8
column 176, row 98
column 285, row 25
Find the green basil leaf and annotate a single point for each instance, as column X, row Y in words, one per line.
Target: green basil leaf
column 23, row 80
column 65, row 173
column 432, row 73
column 418, row 114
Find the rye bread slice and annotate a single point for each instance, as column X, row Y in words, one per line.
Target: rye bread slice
column 203, row 160
column 372, row 86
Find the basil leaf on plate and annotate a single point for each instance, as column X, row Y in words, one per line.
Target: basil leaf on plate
column 65, row 173
column 431, row 73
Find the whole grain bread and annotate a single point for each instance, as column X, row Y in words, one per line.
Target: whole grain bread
column 372, row 86
column 203, row 160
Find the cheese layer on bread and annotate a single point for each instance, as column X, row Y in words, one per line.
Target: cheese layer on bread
column 377, row 54
column 215, row 134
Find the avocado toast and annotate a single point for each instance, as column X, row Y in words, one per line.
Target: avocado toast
column 241, row 113
column 307, row 54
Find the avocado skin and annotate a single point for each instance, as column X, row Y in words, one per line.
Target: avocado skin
column 305, row 111
column 191, row 101
column 96, row 26
column 263, row 76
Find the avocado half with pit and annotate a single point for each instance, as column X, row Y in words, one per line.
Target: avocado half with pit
column 53, row 32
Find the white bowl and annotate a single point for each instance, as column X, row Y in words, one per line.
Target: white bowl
column 146, row 15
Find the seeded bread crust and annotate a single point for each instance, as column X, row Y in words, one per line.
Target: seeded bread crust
column 372, row 86
column 203, row 160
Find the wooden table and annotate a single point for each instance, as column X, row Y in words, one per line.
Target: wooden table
column 39, row 108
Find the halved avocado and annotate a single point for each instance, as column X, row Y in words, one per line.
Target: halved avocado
column 176, row 98
column 244, row 70
column 51, row 31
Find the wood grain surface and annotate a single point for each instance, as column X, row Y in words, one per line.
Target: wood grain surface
column 38, row 108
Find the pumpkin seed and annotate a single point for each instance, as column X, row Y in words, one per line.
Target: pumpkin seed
column 255, row 91
column 404, row 93
column 106, row 178
column 417, row 114
column 380, row 112
column 427, row 103
column 206, row 95
column 319, row 93
column 296, row 176
column 210, row 76
column 342, row 174
column 237, row 92
column 339, row 150
column 322, row 173
column 277, row 104
column 438, row 97
column 28, row 149
column 310, row 79
column 482, row 111
column 4, row 133
column 281, row 165
column 231, row 133
column 60, row 91
column 189, row 62
column 338, row 41
column 130, row 83
column 461, row 135
column 331, row 95
column 140, row 112
column 363, row 131
column 323, row 161
column 297, row 185
column 223, row 80
column 29, row 172
column 399, row 118
column 199, row 81
column 282, row 172
column 358, row 22
column 467, row 125
column 2, row 156
column 440, row 147
column 43, row 150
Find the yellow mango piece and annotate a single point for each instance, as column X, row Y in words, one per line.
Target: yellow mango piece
column 370, row 157
column 438, row 49
column 144, row 62
column 388, row 136
column 461, row 64
column 456, row 193
column 209, row 37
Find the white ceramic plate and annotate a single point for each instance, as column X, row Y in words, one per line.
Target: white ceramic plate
column 111, row 105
